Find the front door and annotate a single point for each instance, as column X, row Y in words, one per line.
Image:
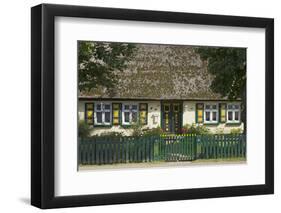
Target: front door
column 171, row 117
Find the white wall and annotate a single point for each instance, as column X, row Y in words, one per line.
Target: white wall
column 154, row 114
column 189, row 109
column 15, row 116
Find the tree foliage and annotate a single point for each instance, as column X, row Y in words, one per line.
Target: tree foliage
column 228, row 66
column 84, row 130
column 98, row 63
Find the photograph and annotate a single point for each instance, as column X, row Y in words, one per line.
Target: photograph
column 146, row 105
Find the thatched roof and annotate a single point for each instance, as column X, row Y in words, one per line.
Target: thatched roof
column 161, row 72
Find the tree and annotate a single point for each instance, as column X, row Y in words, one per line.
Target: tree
column 98, row 63
column 228, row 66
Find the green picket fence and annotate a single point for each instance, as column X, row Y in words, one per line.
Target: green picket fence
column 187, row 147
column 108, row 150
column 221, row 146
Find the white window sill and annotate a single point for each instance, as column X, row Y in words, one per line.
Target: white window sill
column 102, row 124
column 233, row 122
column 211, row 122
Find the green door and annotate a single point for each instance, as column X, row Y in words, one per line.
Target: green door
column 171, row 117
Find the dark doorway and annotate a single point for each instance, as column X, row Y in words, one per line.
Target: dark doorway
column 171, row 116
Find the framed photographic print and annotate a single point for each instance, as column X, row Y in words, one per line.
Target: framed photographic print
column 139, row 106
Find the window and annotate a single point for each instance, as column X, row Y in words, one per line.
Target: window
column 233, row 113
column 167, row 108
column 130, row 114
column 102, row 114
column 211, row 113
column 176, row 108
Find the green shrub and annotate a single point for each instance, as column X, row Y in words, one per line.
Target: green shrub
column 83, row 130
column 137, row 130
column 153, row 132
column 195, row 129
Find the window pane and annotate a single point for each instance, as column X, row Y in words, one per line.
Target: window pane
column 229, row 106
column 134, row 117
column 99, row 107
column 107, row 117
column 236, row 115
column 214, row 106
column 99, row 117
column 208, row 107
column 107, row 106
column 134, row 107
column 166, row 108
column 207, row 116
column 126, row 107
column 236, row 106
column 127, row 117
column 214, row 116
column 230, row 118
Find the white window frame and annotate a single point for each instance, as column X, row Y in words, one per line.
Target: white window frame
column 103, row 110
column 211, row 121
column 233, row 113
column 130, row 110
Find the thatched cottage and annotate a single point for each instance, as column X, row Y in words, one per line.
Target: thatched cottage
column 162, row 86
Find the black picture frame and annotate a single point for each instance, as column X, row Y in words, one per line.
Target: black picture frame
column 43, row 110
